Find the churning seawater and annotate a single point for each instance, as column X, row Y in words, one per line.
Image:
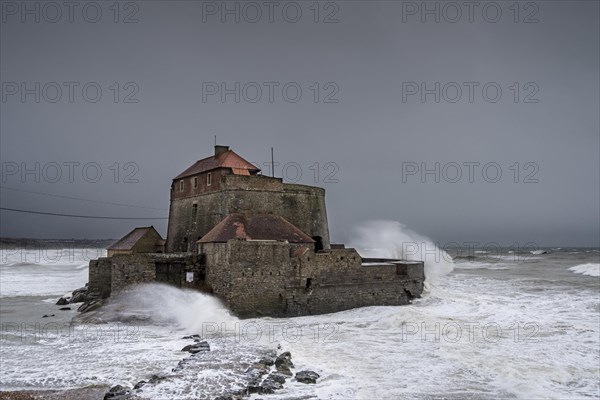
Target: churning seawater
column 491, row 325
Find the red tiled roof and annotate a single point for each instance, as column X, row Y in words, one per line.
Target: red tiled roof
column 255, row 227
column 128, row 241
column 227, row 159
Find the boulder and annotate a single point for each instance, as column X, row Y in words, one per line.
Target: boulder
column 47, row 315
column 80, row 290
column 117, row 392
column 266, row 361
column 197, row 347
column 139, row 385
column 90, row 306
column 307, row 376
column 283, row 363
column 63, row 301
column 79, row 297
column 270, row 386
column 64, row 308
column 196, row 338
column 277, row 377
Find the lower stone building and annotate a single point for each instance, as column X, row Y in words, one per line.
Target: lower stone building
column 262, row 265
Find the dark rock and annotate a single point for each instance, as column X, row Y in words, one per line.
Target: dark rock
column 139, row 385
column 64, row 308
column 48, row 315
column 182, row 364
column 156, row 378
column 307, row 376
column 254, row 388
column 92, row 305
column 267, row 361
column 257, row 369
column 118, row 393
column 79, row 297
column 283, row 363
column 277, row 377
column 269, row 386
column 63, row 301
column 196, row 338
column 80, row 290
column 197, row 347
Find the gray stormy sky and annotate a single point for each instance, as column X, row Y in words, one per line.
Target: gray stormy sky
column 368, row 61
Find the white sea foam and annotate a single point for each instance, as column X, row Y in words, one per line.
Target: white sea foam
column 391, row 239
column 547, row 347
column 44, row 272
column 163, row 304
column 589, row 269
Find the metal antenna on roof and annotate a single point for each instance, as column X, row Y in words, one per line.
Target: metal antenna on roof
column 272, row 164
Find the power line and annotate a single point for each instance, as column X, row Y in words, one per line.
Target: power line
column 72, row 215
column 79, row 198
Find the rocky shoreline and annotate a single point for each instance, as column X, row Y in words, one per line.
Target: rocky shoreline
column 91, row 301
column 267, row 374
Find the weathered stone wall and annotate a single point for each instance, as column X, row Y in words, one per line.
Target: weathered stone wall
column 110, row 275
column 279, row 279
column 303, row 206
column 100, row 277
column 130, row 269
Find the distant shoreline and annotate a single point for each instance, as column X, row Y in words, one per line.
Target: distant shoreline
column 29, row 243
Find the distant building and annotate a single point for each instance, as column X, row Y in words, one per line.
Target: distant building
column 139, row 240
column 257, row 243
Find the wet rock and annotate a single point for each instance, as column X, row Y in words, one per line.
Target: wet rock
column 253, row 388
column 266, row 361
column 47, row 315
column 118, row 392
column 197, row 347
column 83, row 289
column 63, row 301
column 307, row 376
column 196, row 338
column 139, row 385
column 182, row 364
column 257, row 369
column 270, row 386
column 90, row 306
column 64, row 308
column 277, row 377
column 156, row 378
column 283, row 363
column 79, row 297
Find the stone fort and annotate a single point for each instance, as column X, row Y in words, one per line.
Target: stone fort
column 259, row 244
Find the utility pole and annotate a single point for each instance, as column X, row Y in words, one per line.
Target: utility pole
column 272, row 164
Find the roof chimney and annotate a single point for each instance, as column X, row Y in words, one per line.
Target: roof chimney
column 220, row 149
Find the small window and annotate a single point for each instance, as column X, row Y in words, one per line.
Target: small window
column 194, row 213
column 208, row 179
column 181, row 185
column 195, row 182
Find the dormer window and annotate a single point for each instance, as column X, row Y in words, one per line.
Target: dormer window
column 181, row 185
column 208, row 179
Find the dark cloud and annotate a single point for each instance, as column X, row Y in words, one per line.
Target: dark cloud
column 360, row 120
